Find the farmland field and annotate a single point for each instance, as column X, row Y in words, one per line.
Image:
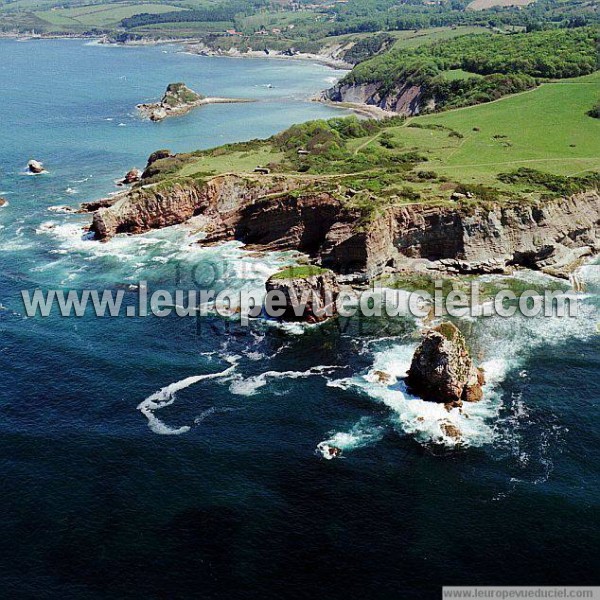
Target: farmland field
column 100, row 15
column 483, row 4
column 412, row 39
column 546, row 128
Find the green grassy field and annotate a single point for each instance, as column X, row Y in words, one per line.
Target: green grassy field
column 546, row 129
column 182, row 31
column 456, row 74
column 100, row 16
column 412, row 39
column 232, row 161
column 483, row 4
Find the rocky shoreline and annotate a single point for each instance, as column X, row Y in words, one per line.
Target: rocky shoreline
column 278, row 212
column 192, row 46
column 327, row 59
column 179, row 100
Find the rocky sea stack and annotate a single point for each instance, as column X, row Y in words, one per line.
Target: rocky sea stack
column 35, row 167
column 132, row 176
column 442, row 369
column 310, row 293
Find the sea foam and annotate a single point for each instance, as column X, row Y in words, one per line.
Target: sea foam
column 251, row 385
column 167, row 395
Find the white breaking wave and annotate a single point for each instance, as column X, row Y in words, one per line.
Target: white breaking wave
column 61, row 208
column 425, row 421
column 251, row 385
column 134, row 258
column 167, row 395
column 500, row 346
column 212, row 411
column 364, row 433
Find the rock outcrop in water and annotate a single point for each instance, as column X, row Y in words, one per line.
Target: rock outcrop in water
column 178, row 100
column 36, row 167
column 132, row 176
column 310, row 293
column 442, row 369
column 278, row 212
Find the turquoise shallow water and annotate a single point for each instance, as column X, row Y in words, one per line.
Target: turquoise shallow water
column 97, row 504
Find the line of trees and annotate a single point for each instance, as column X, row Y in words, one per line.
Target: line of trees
column 507, row 63
column 359, row 16
column 547, row 54
column 210, row 14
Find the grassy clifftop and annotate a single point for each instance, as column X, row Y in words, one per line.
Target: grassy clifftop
column 541, row 142
column 472, row 69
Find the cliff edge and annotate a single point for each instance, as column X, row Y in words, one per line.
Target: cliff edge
column 282, row 212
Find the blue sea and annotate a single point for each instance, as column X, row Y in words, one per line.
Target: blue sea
column 176, row 457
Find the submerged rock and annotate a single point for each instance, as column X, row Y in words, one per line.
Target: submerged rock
column 35, row 166
column 382, row 376
column 310, row 293
column 451, row 430
column 442, row 370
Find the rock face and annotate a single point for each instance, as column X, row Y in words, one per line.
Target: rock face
column 308, row 297
column 550, row 235
column 35, row 166
column 178, row 100
column 442, row 370
column 405, row 99
column 275, row 213
column 219, row 204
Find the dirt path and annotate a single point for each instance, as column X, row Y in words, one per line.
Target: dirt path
column 365, row 144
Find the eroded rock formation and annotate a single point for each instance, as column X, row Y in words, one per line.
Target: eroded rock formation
column 35, row 166
column 132, row 176
column 442, row 369
column 278, row 212
column 403, row 99
column 310, row 294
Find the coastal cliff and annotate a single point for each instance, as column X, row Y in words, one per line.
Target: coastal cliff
column 279, row 212
column 404, row 99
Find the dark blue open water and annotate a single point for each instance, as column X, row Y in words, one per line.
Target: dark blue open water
column 220, row 494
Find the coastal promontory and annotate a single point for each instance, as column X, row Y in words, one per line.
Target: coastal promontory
column 179, row 99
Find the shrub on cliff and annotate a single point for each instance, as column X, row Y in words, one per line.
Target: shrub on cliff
column 559, row 184
column 554, row 53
